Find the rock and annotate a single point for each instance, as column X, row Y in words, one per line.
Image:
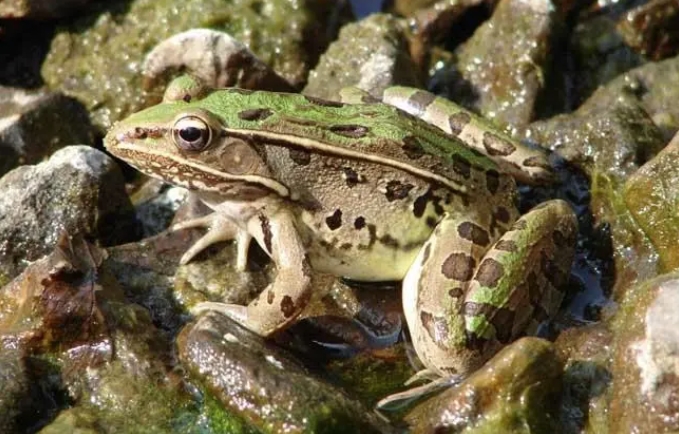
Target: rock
column 216, row 58
column 645, row 368
column 263, row 384
column 40, row 9
column 652, row 29
column 371, row 55
column 502, row 66
column 113, row 366
column 78, row 190
column 587, row 378
column 651, row 195
column 287, row 35
column 517, row 391
column 34, row 124
column 599, row 55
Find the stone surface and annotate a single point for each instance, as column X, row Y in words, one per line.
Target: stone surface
column 79, row 190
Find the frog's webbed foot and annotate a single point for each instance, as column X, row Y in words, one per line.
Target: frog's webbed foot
column 220, row 228
column 399, row 400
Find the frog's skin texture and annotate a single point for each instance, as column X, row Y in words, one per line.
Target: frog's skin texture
column 372, row 193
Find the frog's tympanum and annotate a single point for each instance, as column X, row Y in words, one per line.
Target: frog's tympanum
column 409, row 188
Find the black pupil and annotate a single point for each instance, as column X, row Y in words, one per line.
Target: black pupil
column 190, row 134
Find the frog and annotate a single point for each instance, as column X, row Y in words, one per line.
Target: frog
column 406, row 187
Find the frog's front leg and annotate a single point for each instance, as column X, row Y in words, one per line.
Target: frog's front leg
column 466, row 296
column 285, row 298
column 220, row 228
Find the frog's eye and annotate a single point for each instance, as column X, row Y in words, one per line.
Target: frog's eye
column 191, row 133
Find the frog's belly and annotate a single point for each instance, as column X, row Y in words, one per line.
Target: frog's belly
column 381, row 247
column 379, row 264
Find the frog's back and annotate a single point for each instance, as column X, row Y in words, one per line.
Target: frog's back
column 378, row 132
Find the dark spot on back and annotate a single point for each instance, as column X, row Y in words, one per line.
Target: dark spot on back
column 345, row 246
column 412, row 147
column 492, row 181
column 186, row 97
column 397, row 190
column 287, row 306
column 490, row 272
column 458, row 121
column 255, row 114
column 300, row 157
column 270, row 296
column 351, row 177
column 474, row 233
column 496, row 145
column 359, row 223
column 458, row 266
column 461, row 166
column 420, row 204
column 351, row 131
column 322, row 102
column 419, row 101
column 335, row 220
column 431, row 222
column 266, row 231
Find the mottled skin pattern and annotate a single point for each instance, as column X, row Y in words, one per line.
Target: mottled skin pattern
column 368, row 192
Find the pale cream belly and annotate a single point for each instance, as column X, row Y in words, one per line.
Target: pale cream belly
column 380, row 263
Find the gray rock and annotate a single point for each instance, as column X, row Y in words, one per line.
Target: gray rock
column 645, row 363
column 78, row 190
column 33, row 124
column 371, row 55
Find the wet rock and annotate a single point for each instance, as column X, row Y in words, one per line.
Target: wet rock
column 114, row 367
column 264, row 385
column 587, row 378
column 287, row 35
column 516, row 391
column 156, row 203
column 79, row 190
column 653, row 85
column 652, row 29
column 613, row 140
column 33, row 124
column 371, row 55
column 502, row 66
column 40, row 9
column 216, row 58
column 599, row 55
column 651, row 195
column 645, row 389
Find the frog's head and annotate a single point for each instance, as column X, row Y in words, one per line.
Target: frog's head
column 183, row 143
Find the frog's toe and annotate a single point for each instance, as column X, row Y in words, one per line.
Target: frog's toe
column 399, row 400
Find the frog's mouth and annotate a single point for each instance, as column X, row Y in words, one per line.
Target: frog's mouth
column 186, row 173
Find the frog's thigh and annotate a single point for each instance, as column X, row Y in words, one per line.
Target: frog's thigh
column 518, row 283
column 434, row 288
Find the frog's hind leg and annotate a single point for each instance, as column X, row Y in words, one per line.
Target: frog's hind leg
column 519, row 282
column 434, row 288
